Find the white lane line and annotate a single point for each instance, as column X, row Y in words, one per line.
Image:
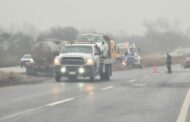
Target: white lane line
column 106, row 88
column 59, row 102
column 184, row 110
column 35, row 109
column 20, row 113
column 139, row 84
column 133, row 80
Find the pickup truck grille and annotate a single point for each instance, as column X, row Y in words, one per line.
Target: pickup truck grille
column 72, row 68
column 72, row 61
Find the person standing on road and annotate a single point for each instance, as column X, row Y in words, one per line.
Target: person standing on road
column 169, row 63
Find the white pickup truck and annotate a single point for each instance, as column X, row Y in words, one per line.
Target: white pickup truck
column 83, row 59
column 77, row 60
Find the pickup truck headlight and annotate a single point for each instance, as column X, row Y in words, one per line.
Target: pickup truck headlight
column 89, row 61
column 56, row 61
column 81, row 70
column 63, row 69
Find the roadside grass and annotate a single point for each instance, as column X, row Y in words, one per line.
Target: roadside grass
column 14, row 78
column 7, row 61
column 153, row 59
column 10, row 76
column 159, row 60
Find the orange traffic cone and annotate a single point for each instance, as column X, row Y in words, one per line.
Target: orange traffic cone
column 154, row 69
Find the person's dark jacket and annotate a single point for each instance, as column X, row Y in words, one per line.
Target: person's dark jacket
column 168, row 60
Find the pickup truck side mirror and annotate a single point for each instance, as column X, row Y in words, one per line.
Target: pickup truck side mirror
column 98, row 53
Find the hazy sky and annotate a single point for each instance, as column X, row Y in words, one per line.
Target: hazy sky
column 102, row 15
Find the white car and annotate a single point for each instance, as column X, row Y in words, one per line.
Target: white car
column 27, row 58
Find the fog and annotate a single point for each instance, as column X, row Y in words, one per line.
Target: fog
column 113, row 16
column 155, row 26
column 161, row 36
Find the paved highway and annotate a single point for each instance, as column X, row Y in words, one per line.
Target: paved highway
column 130, row 96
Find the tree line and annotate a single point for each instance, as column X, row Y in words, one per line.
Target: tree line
column 13, row 45
column 160, row 35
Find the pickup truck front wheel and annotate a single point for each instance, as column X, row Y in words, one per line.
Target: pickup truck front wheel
column 57, row 77
column 106, row 75
column 108, row 72
column 92, row 78
column 102, row 76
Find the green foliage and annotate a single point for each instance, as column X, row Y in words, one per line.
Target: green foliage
column 9, row 60
column 10, row 76
column 14, row 45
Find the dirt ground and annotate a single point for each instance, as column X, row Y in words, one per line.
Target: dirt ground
column 12, row 78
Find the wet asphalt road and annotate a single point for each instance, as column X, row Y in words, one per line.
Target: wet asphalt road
column 130, row 96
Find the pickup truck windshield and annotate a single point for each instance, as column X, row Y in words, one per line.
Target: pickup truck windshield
column 90, row 38
column 27, row 56
column 77, row 49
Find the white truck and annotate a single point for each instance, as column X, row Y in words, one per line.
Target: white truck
column 83, row 59
column 98, row 39
column 130, row 55
column 27, row 58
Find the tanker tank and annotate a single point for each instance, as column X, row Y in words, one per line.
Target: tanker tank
column 43, row 54
column 46, row 51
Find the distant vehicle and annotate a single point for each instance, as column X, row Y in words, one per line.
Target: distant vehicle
column 130, row 55
column 186, row 63
column 27, row 58
column 132, row 61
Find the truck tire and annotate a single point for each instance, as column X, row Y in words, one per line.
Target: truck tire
column 92, row 78
column 57, row 78
column 108, row 72
column 102, row 76
column 107, row 75
column 94, row 72
column 101, row 72
column 29, row 71
column 140, row 66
